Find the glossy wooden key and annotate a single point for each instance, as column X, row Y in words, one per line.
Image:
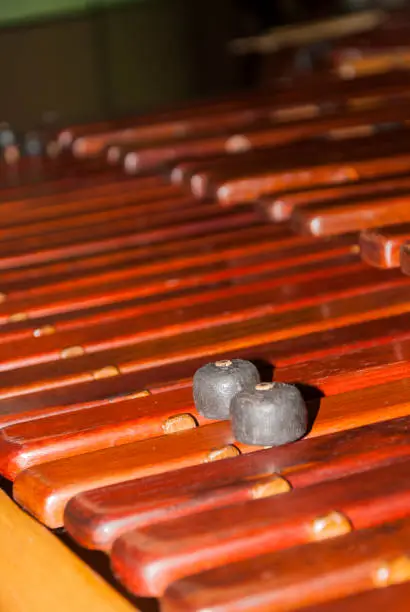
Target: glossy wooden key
column 351, row 215
column 405, row 259
column 34, row 251
column 139, row 159
column 153, row 264
column 279, row 207
column 242, row 302
column 77, row 202
column 96, row 518
column 111, row 390
column 152, row 280
column 206, row 342
column 381, row 247
column 253, row 174
column 394, row 597
column 148, row 559
column 318, row 572
column 45, row 490
column 288, row 105
column 26, row 583
column 102, row 426
column 94, row 428
column 58, row 271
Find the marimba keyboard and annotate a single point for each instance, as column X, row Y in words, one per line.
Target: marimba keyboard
column 273, row 229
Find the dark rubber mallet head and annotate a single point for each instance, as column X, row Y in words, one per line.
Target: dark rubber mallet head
column 270, row 414
column 215, row 384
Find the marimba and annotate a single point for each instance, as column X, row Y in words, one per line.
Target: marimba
column 270, row 227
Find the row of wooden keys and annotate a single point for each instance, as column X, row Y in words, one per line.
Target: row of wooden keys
column 236, row 228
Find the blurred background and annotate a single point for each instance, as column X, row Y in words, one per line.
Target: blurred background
column 63, row 61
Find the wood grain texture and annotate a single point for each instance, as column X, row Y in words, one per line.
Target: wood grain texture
column 65, row 400
column 157, row 270
column 27, row 552
column 102, row 426
column 244, row 301
column 373, row 558
column 351, row 215
column 148, row 559
column 96, row 518
column 78, row 243
column 44, row 490
column 241, row 335
column 171, row 255
column 394, row 597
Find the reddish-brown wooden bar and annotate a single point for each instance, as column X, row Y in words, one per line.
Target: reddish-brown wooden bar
column 45, row 489
column 96, row 518
column 405, row 259
column 311, row 574
column 381, row 246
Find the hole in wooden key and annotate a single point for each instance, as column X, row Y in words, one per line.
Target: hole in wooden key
column 106, row 372
column 72, row 351
column 392, row 572
column 306, row 111
column 179, row 422
column 46, row 330
column 274, row 485
column 138, row 394
column 223, row 453
column 17, row 317
column 237, row 144
column 330, row 526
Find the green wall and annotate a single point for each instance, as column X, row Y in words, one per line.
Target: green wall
column 12, row 11
column 132, row 57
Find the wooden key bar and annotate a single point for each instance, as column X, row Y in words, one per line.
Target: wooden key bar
column 26, row 583
column 373, row 558
column 101, row 426
column 58, row 271
column 381, row 247
column 353, row 215
column 96, row 518
column 78, row 243
column 247, row 113
column 45, row 489
column 251, row 175
column 279, row 207
column 156, row 263
column 405, row 258
column 188, row 545
column 139, row 159
column 129, row 282
column 238, row 302
column 111, row 390
column 160, row 199
column 379, row 600
column 240, row 334
column 243, row 190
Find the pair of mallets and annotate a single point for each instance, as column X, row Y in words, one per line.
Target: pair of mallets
column 262, row 414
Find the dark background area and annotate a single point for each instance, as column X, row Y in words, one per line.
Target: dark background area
column 131, row 58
